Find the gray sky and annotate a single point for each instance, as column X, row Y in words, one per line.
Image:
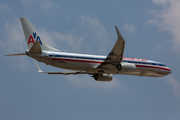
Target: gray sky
column 150, row 29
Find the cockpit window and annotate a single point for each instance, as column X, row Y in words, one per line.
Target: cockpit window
column 162, row 65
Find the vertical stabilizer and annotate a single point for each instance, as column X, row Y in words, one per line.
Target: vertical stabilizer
column 32, row 36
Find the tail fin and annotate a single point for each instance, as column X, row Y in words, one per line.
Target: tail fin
column 32, row 36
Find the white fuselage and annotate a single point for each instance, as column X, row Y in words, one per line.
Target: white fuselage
column 89, row 63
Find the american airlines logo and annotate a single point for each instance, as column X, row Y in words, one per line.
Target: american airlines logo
column 34, row 37
column 134, row 59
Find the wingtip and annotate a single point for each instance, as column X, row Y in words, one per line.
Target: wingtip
column 118, row 33
column 38, row 68
column 23, row 18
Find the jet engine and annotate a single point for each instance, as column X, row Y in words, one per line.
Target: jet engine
column 102, row 77
column 126, row 67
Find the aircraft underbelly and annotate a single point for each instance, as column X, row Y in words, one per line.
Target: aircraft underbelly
column 92, row 69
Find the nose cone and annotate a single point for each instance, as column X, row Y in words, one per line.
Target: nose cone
column 168, row 71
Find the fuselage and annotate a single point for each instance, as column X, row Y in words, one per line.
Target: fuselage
column 89, row 63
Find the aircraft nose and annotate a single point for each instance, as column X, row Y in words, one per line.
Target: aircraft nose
column 168, row 71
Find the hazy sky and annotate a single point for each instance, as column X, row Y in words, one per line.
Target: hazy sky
column 151, row 29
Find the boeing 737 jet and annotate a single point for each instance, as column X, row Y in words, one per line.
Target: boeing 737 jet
column 101, row 68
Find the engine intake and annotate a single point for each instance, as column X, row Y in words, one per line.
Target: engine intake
column 102, row 77
column 126, row 67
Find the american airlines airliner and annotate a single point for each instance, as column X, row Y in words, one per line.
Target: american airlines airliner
column 101, row 68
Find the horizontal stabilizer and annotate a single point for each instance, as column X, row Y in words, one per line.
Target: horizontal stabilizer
column 62, row 73
column 16, row 54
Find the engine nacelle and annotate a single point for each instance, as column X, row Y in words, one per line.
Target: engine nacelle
column 102, row 77
column 127, row 67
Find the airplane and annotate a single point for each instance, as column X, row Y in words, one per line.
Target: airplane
column 101, row 68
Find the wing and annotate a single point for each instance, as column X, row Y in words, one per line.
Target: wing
column 62, row 73
column 116, row 54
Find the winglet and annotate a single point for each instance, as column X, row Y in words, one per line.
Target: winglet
column 39, row 69
column 118, row 33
